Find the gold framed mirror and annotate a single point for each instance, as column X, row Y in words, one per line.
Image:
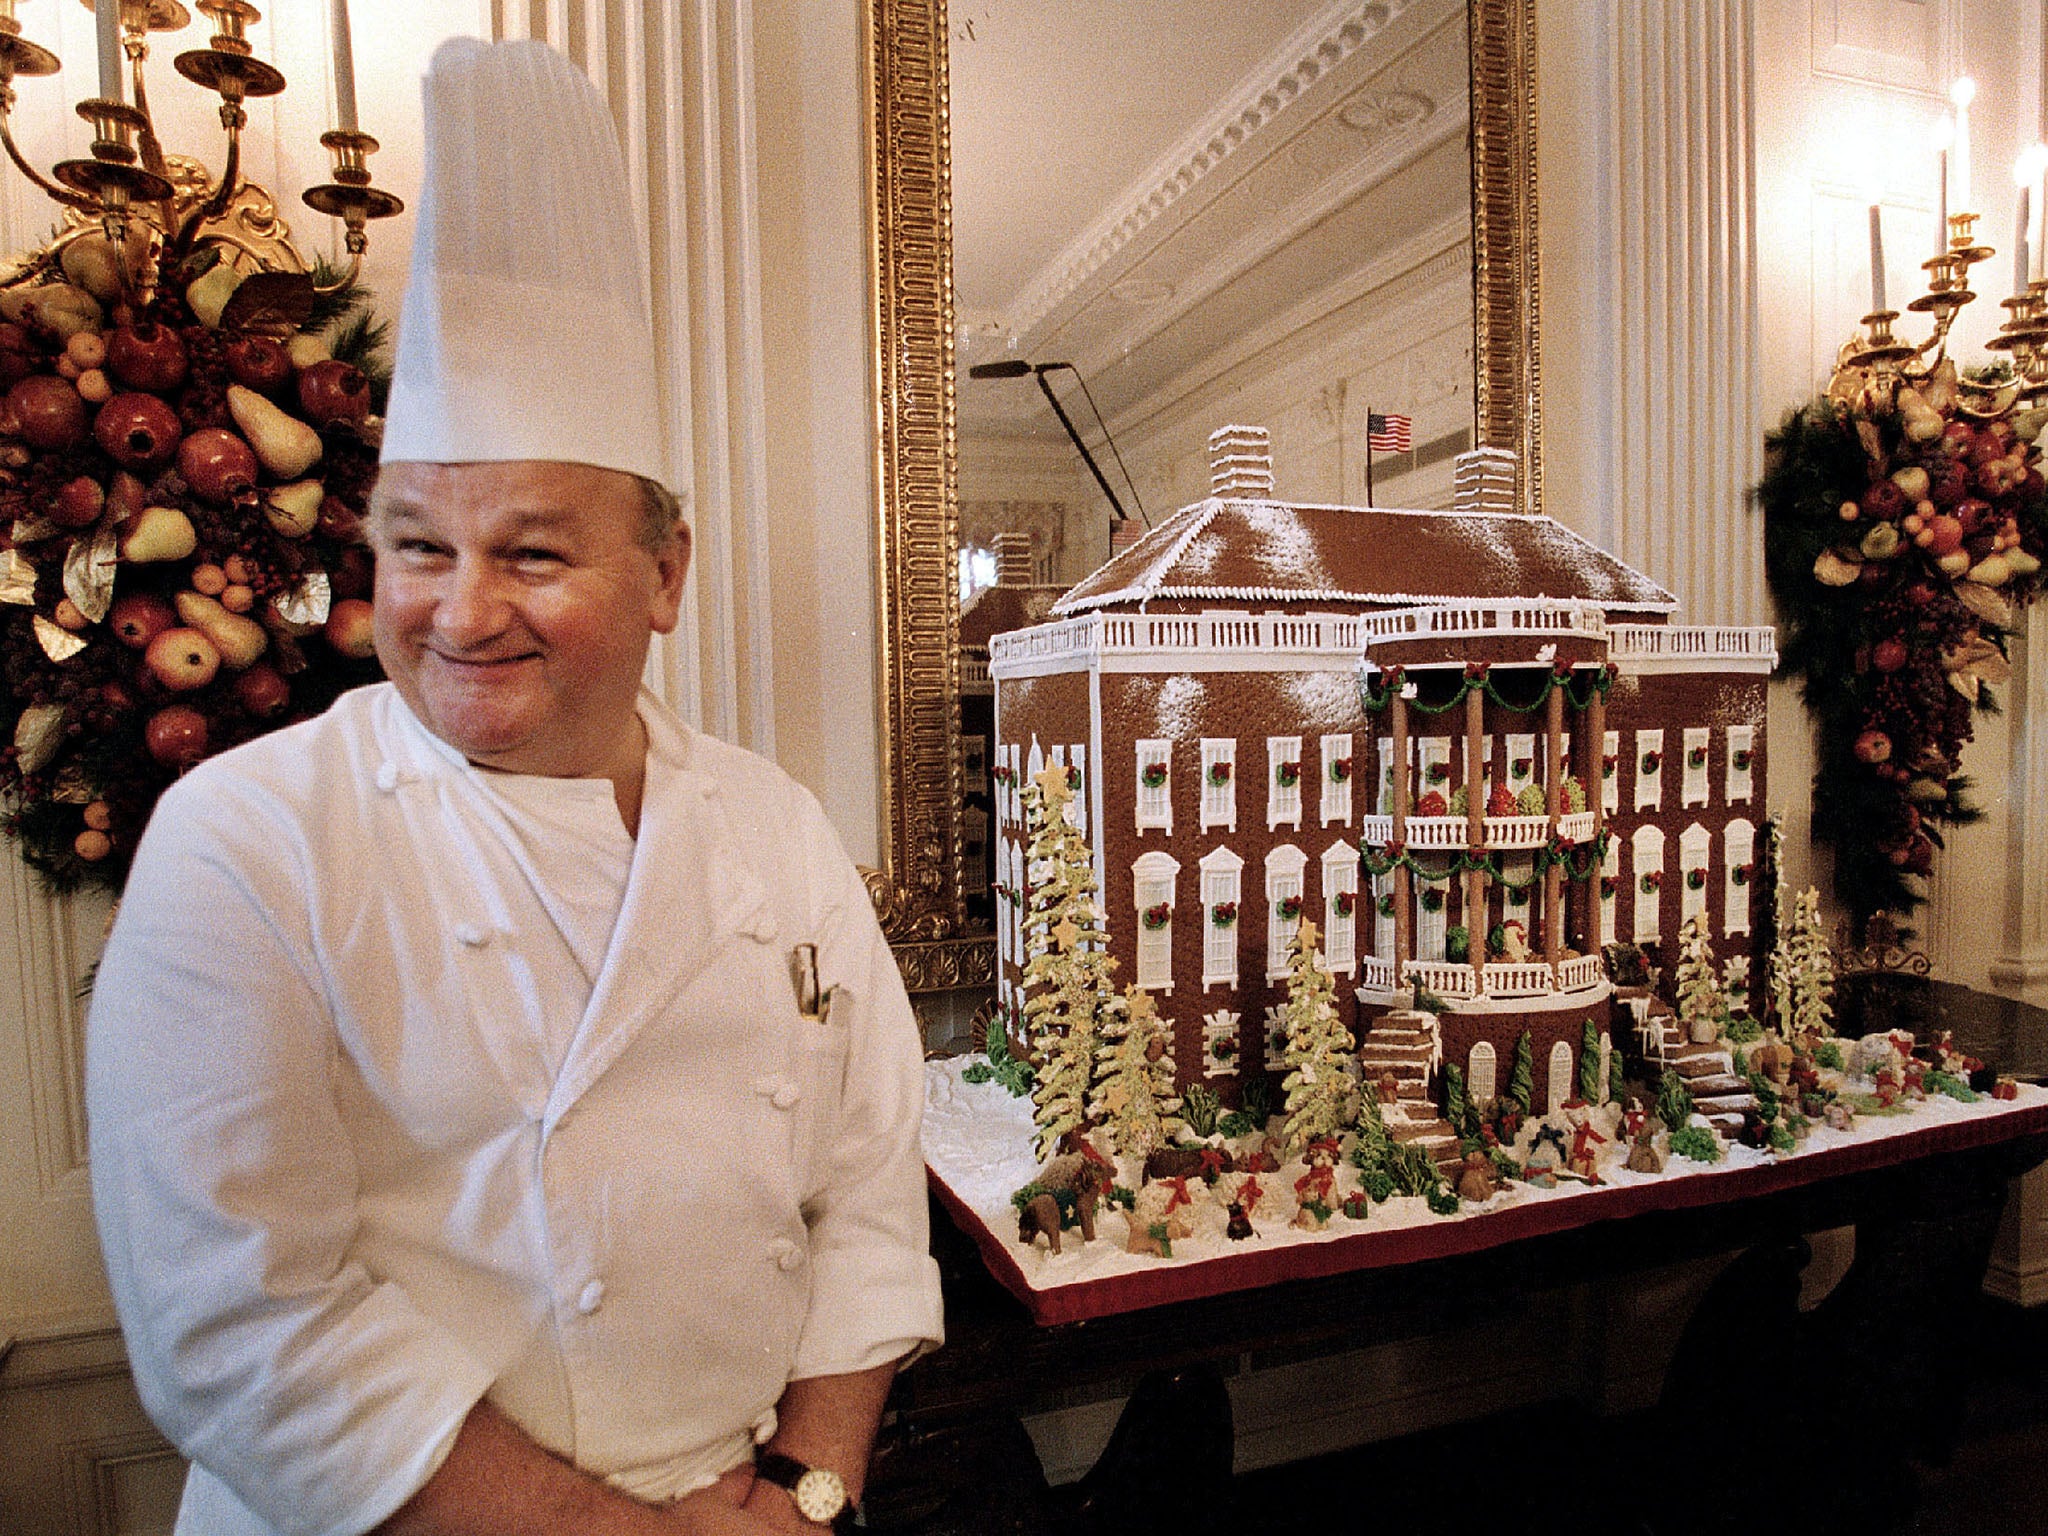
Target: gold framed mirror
column 917, row 887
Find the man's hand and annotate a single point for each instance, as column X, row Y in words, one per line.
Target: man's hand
column 498, row 1482
column 823, row 1421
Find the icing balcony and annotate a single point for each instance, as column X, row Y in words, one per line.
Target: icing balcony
column 1459, row 983
column 1672, row 647
column 1450, row 834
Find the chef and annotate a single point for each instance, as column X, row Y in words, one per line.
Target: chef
column 504, row 1109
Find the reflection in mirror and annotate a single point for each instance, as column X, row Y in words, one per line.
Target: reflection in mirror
column 1216, row 213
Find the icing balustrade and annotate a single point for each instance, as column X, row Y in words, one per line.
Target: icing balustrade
column 1727, row 644
column 1510, row 834
column 1222, row 632
column 1533, row 617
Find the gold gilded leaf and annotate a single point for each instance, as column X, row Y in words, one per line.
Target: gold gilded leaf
column 37, row 736
column 58, row 643
column 89, row 574
column 307, row 603
column 1988, row 604
column 17, row 578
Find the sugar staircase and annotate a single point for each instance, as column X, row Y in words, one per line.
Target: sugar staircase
column 1718, row 1091
column 1405, row 1043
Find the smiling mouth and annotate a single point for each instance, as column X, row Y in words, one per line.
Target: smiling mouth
column 481, row 663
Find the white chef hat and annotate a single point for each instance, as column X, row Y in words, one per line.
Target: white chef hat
column 524, row 333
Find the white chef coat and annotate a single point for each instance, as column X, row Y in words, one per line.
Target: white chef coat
column 343, row 1194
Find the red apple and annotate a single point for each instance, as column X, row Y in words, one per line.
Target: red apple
column 333, row 392
column 348, row 628
column 1889, row 654
column 261, row 691
column 78, row 502
column 139, row 432
column 1873, row 747
column 139, row 617
column 146, row 355
column 217, row 464
column 182, row 659
column 258, row 362
column 48, row 411
column 176, row 735
column 1884, row 500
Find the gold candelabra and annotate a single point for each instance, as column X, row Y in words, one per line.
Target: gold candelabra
column 129, row 180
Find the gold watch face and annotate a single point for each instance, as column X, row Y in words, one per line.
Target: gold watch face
column 820, row 1495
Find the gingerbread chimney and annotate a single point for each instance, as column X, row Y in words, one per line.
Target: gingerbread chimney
column 1013, row 560
column 1241, row 463
column 1484, row 481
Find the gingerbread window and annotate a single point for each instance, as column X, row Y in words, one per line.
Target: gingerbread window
column 1738, row 875
column 1335, row 780
column 1153, row 877
column 1222, row 895
column 1283, row 782
column 1692, row 789
column 1284, row 867
column 1219, row 783
column 1155, row 785
column 1340, row 908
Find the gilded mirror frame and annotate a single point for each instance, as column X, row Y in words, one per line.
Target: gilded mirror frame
column 916, row 889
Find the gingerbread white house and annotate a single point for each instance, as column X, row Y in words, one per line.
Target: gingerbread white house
column 1471, row 745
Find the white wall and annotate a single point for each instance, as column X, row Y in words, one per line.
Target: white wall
column 1704, row 253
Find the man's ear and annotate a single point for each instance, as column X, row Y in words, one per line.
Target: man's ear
column 672, row 564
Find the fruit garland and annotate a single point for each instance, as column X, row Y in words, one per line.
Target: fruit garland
column 1902, row 531
column 182, row 479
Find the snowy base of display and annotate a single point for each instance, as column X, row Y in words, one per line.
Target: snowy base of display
column 978, row 1151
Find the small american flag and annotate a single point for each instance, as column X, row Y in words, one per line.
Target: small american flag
column 1389, row 434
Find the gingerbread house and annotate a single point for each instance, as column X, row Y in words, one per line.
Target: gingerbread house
column 1471, row 745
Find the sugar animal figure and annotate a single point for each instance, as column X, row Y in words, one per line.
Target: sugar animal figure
column 1159, row 1215
column 1314, row 1189
column 1477, row 1180
column 1514, row 942
column 1039, row 1216
column 1586, row 1142
column 1390, row 1088
column 1239, row 1227
column 1643, row 1156
column 1773, row 1058
column 1083, row 1176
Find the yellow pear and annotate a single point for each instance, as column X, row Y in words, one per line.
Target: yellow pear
column 239, row 639
column 294, row 510
column 159, row 533
column 308, row 348
column 286, row 446
column 208, row 293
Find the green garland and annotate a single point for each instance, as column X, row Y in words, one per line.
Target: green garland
column 1579, row 862
column 1871, row 625
column 1481, row 678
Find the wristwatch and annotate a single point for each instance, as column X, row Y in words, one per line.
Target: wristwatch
column 819, row 1492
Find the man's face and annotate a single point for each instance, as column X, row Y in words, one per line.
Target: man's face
column 515, row 603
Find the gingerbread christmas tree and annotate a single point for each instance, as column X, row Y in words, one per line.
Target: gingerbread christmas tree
column 1321, row 1092
column 1069, row 995
column 1134, row 1092
column 1702, row 1002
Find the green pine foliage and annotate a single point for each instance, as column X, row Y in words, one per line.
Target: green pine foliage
column 1369, row 1147
column 1001, row 1067
column 1674, row 1102
column 1200, row 1107
column 1616, row 1093
column 1457, row 1107
column 1953, row 1086
column 1697, row 1142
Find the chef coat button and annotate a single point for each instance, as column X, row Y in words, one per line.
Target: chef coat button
column 470, row 934
column 590, row 1298
column 784, row 1096
column 387, row 777
column 786, row 1254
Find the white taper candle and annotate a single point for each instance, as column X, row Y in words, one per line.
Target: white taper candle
column 344, row 68
column 106, row 15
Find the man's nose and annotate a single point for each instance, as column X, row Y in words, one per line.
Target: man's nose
column 472, row 607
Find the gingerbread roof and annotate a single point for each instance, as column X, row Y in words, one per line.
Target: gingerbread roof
column 998, row 609
column 1234, row 551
